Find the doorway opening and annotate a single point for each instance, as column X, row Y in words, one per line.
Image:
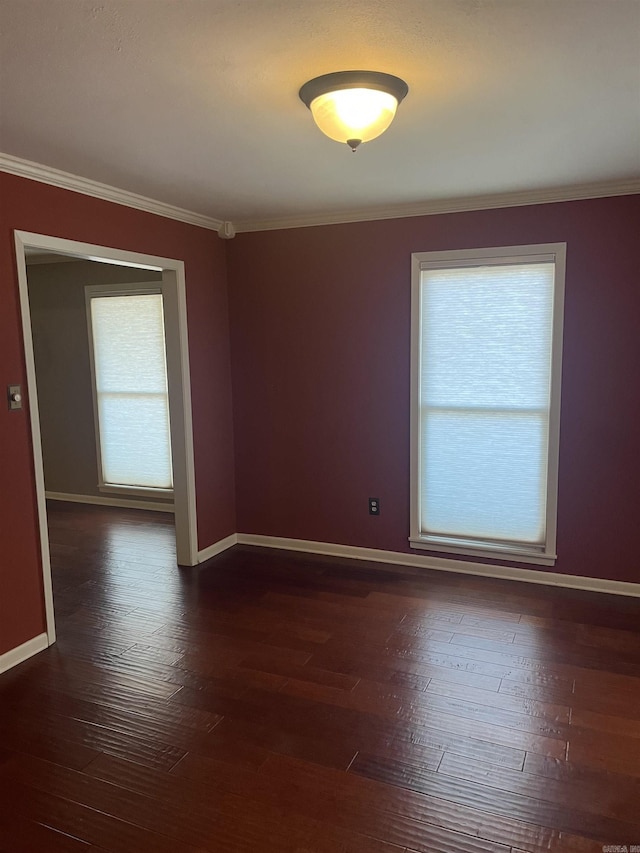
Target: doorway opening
column 168, row 280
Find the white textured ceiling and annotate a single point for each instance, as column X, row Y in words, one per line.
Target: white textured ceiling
column 195, row 102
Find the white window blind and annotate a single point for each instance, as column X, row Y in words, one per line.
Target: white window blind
column 131, row 390
column 484, row 407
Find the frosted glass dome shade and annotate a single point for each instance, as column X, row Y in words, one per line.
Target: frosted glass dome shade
column 354, row 114
column 353, row 106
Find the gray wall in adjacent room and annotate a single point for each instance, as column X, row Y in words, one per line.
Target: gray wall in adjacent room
column 63, row 373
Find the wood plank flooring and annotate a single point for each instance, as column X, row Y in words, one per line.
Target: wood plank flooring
column 270, row 701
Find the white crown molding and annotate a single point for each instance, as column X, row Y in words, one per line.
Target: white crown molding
column 444, row 565
column 451, row 205
column 226, row 230
column 67, row 181
column 26, row 650
column 217, row 548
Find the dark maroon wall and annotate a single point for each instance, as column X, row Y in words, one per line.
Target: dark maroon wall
column 320, row 364
column 30, row 206
column 320, row 345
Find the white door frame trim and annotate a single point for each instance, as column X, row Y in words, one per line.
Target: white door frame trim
column 174, row 290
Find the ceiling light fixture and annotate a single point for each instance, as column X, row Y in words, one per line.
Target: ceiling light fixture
column 353, row 106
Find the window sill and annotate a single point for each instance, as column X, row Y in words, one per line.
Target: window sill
column 513, row 555
column 135, row 491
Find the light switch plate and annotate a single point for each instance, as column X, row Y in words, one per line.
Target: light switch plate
column 14, row 396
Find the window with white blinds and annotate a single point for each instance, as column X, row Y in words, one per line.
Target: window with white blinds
column 130, row 388
column 487, row 327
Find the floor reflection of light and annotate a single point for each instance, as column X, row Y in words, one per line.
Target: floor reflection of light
column 139, row 573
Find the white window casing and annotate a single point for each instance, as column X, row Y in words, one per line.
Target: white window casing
column 485, row 401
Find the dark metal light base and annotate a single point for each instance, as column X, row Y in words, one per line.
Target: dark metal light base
column 339, row 80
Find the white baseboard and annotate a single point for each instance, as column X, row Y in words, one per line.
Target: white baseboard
column 21, row 653
column 444, row 565
column 217, row 548
column 138, row 503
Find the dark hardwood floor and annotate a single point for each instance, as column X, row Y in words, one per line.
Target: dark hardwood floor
column 272, row 701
